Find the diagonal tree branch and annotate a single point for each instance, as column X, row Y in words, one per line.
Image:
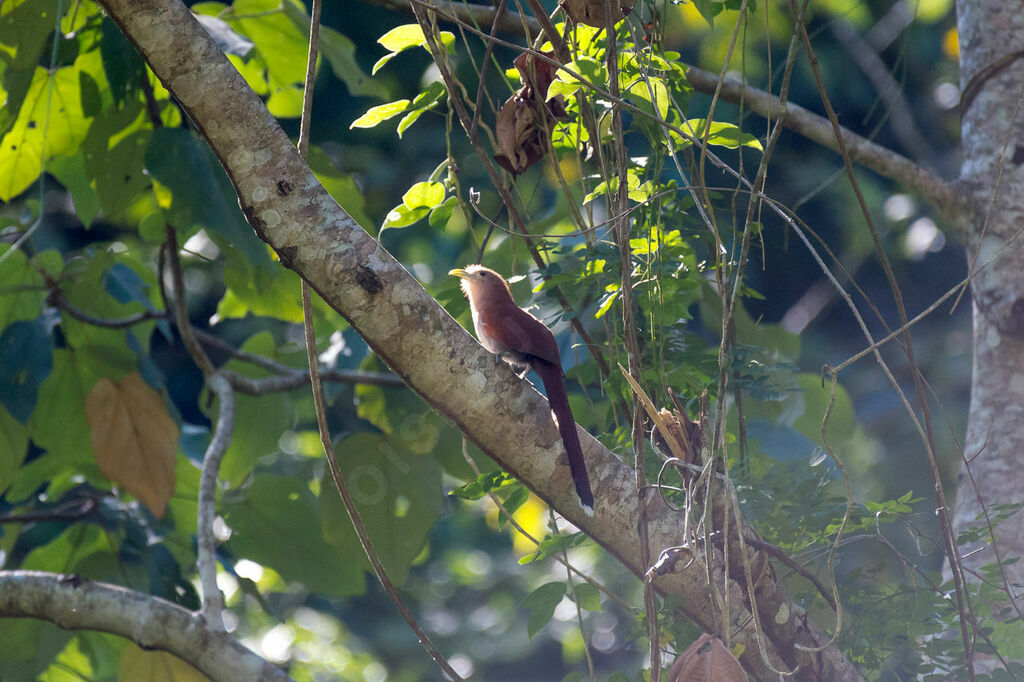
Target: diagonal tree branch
column 74, row 603
column 432, row 354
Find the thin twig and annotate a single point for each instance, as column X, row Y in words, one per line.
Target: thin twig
column 288, row 377
column 195, row 350
column 74, row 510
column 962, row 596
column 318, row 393
column 499, row 13
column 619, row 204
column 206, row 543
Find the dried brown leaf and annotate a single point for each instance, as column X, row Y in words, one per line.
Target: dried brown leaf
column 134, row 439
column 520, row 144
column 706, row 660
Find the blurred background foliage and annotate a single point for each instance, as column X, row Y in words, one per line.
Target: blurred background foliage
column 121, row 163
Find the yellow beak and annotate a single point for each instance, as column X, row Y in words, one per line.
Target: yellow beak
column 458, row 272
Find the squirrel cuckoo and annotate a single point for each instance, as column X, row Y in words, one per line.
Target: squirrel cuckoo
column 520, row 339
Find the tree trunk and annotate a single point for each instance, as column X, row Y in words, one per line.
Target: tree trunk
column 992, row 84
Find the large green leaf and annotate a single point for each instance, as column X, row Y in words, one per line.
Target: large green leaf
column 339, row 185
column 13, row 448
column 58, row 424
column 281, row 46
column 28, row 647
column 121, row 62
column 259, row 421
column 339, row 51
column 22, row 291
column 276, row 525
column 109, row 350
column 70, row 171
column 542, row 603
column 26, row 358
column 266, row 290
column 202, row 195
column 398, row 494
column 114, row 151
column 24, row 31
column 49, row 123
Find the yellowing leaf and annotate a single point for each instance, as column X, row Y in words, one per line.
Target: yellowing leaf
column 424, row 194
column 410, row 35
column 382, row 112
column 155, row 666
column 133, row 439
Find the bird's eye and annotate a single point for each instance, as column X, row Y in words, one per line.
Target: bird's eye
column 483, row 273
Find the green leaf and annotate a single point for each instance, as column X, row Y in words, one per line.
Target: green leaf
column 25, row 30
column 276, row 524
column 589, row 69
column 13, row 448
column 28, row 647
column 411, row 35
column 125, row 285
column 109, row 351
column 606, row 304
column 340, row 53
column 114, row 151
column 398, row 493
column 41, row 131
column 554, row 544
column 706, row 9
column 339, row 185
column 70, row 172
column 280, row 42
column 26, row 359
column 542, row 603
column 259, row 420
column 424, row 195
column 484, row 483
column 23, row 289
column 588, row 597
column 379, row 113
column 424, row 101
column 721, row 134
column 201, row 194
column 409, row 119
column 440, row 216
column 121, row 62
column 403, row 216
column 564, row 88
column 58, row 424
column 657, row 86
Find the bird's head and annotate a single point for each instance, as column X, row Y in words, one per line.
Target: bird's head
column 482, row 284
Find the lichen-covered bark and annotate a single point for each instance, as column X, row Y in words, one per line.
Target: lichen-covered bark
column 992, row 82
column 77, row 604
column 434, row 356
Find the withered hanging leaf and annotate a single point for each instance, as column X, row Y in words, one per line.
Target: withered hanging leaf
column 706, row 660
column 688, row 436
column 591, row 12
column 522, row 139
column 537, row 75
column 520, row 144
column 134, row 439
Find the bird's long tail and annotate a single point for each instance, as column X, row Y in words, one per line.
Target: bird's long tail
column 554, row 385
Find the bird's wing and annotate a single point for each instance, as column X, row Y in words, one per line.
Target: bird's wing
column 527, row 335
